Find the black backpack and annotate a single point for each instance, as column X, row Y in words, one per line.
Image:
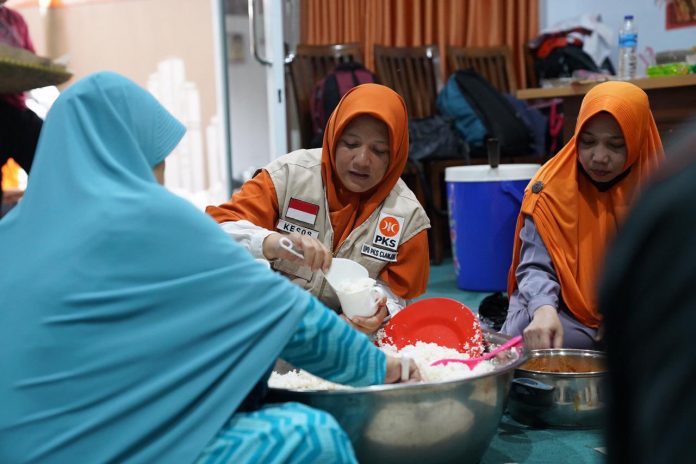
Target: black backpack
column 562, row 61
column 328, row 92
column 501, row 119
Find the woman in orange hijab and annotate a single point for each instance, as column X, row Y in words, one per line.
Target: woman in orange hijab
column 571, row 210
column 345, row 200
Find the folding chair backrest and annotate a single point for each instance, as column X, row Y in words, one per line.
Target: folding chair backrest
column 311, row 64
column 493, row 63
column 530, row 67
column 414, row 73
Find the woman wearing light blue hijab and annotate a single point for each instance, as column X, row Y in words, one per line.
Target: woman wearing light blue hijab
column 131, row 328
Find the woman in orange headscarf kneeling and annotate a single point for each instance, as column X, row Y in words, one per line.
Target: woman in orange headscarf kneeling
column 571, row 210
column 344, row 200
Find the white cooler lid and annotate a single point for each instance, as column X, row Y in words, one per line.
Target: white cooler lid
column 485, row 173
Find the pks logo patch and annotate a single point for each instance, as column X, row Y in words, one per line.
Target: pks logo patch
column 389, row 226
column 388, row 231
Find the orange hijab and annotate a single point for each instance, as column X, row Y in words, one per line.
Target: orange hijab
column 574, row 219
column 348, row 209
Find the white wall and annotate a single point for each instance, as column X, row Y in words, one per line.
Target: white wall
column 130, row 38
column 649, row 16
column 138, row 39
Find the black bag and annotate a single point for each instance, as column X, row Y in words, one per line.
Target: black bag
column 562, row 61
column 500, row 117
column 435, row 137
column 493, row 311
column 328, row 92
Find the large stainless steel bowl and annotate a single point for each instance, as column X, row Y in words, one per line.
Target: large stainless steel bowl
column 413, row 423
column 560, row 399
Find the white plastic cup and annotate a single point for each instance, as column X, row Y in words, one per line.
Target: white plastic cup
column 361, row 302
column 357, row 303
column 343, row 269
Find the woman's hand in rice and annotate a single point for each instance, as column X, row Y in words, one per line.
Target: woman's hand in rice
column 369, row 325
column 393, row 374
column 316, row 255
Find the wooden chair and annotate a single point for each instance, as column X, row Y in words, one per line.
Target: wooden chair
column 414, row 73
column 309, row 65
column 493, row 63
column 530, row 67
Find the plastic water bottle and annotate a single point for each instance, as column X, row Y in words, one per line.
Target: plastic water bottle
column 628, row 42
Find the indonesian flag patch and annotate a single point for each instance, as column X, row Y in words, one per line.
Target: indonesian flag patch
column 302, row 211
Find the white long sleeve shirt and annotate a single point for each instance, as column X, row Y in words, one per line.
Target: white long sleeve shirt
column 251, row 237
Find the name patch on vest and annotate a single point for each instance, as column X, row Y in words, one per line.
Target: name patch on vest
column 388, row 231
column 285, row 226
column 302, row 211
column 379, row 253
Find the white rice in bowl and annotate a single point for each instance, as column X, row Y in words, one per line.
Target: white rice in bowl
column 423, row 354
column 302, row 380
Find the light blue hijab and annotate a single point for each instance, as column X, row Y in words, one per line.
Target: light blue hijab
column 131, row 326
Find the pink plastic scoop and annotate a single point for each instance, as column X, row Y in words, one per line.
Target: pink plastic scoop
column 472, row 362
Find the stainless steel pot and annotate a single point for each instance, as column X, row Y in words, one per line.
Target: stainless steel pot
column 413, row 423
column 560, row 399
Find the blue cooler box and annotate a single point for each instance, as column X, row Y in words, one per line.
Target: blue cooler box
column 484, row 203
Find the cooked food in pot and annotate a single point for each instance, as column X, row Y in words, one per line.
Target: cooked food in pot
column 565, row 364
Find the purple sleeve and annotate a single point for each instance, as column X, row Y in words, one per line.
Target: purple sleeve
column 536, row 278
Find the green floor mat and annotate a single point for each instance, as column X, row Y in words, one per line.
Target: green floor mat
column 515, row 442
column 443, row 283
